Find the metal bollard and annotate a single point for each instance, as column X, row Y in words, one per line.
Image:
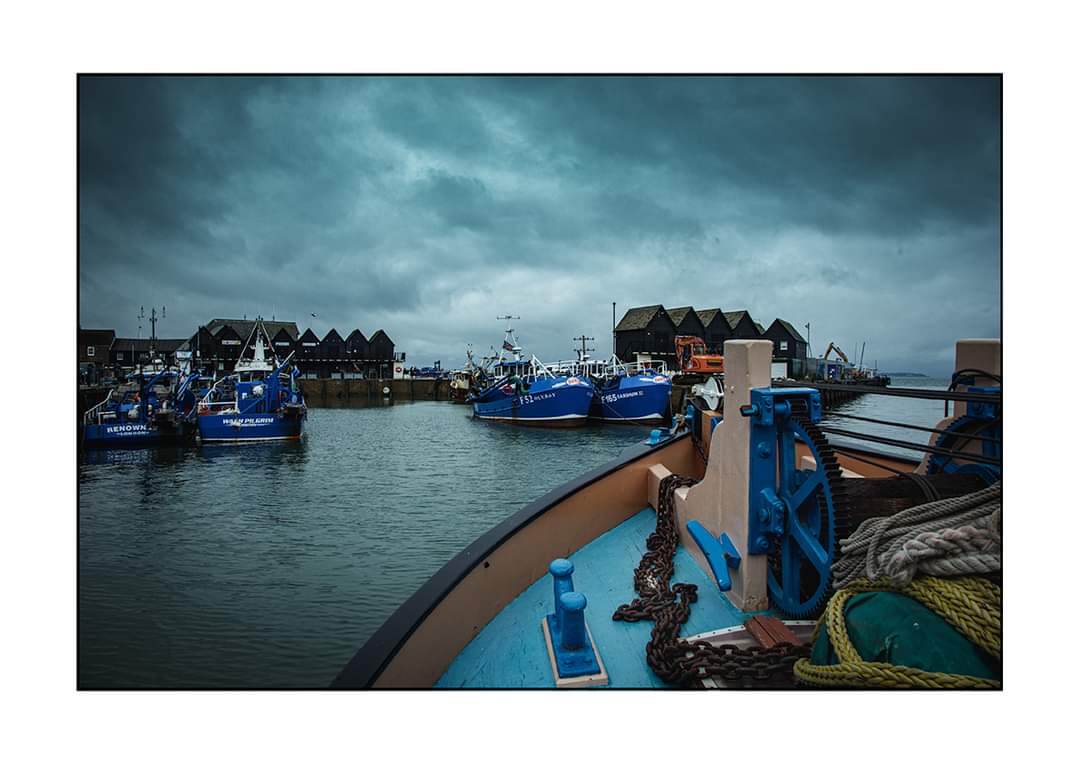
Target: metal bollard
column 561, row 571
column 573, row 621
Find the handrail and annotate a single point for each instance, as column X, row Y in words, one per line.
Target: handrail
column 213, row 387
column 88, row 414
column 900, row 392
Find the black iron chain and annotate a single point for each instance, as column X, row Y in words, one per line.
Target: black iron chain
column 680, row 661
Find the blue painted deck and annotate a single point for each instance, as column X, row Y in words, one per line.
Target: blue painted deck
column 510, row 651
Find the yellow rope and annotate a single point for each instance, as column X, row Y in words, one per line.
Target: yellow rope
column 970, row 605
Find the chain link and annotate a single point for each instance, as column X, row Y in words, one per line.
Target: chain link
column 676, row 660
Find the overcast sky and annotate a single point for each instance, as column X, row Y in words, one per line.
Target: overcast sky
column 868, row 207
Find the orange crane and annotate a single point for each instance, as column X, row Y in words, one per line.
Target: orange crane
column 839, row 353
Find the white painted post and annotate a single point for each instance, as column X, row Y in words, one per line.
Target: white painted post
column 720, row 502
column 984, row 355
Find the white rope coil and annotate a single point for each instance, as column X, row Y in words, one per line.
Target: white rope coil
column 951, row 537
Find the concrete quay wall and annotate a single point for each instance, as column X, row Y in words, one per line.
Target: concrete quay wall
column 343, row 393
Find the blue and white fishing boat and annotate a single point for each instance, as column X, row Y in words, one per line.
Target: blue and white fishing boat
column 632, row 392
column 154, row 406
column 529, row 393
column 260, row 400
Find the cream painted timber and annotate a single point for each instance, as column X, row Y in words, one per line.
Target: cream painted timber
column 809, row 463
column 522, row 559
column 720, row 502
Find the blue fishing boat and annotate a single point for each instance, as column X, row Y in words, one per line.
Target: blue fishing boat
column 763, row 565
column 260, row 400
column 527, row 392
column 632, row 393
column 155, row 405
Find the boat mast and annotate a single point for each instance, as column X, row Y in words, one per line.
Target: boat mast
column 583, row 353
column 509, row 338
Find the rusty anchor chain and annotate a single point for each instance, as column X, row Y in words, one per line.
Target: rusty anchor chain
column 680, row 661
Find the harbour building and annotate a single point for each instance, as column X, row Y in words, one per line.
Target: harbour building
column 648, row 332
column 216, row 346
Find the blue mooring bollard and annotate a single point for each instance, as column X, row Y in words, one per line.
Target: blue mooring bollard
column 573, row 621
column 570, row 644
column 561, row 571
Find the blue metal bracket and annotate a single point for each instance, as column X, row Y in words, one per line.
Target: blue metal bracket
column 988, row 416
column 771, row 447
column 574, row 655
column 721, row 553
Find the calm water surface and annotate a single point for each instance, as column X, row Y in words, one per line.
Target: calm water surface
column 268, row 565
column 925, row 413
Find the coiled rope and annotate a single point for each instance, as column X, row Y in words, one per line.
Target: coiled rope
column 970, row 605
column 949, row 537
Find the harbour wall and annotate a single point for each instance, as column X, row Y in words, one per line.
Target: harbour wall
column 343, row 393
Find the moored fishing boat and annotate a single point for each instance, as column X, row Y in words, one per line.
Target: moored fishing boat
column 260, row 400
column 155, row 405
column 551, row 598
column 632, row 393
column 529, row 393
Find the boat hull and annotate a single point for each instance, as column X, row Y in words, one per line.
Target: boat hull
column 134, row 435
column 545, row 404
column 639, row 399
column 219, row 428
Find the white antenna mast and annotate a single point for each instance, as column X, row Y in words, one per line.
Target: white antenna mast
column 509, row 338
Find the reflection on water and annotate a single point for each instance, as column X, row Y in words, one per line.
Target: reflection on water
column 269, row 564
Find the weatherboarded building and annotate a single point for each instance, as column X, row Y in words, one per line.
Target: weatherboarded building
column 743, row 326
column 789, row 348
column 651, row 330
column 217, row 345
column 716, row 328
column 646, row 331
column 129, row 352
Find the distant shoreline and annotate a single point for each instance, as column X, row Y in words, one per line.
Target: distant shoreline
column 905, row 374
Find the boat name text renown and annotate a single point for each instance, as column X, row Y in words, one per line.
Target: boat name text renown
column 126, row 429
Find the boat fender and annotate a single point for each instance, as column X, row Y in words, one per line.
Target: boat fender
column 258, row 391
column 133, row 413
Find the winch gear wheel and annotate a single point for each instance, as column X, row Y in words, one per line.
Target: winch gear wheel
column 800, row 562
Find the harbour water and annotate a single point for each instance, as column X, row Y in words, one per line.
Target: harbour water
column 268, row 565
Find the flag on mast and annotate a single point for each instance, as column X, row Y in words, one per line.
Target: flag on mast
column 507, row 345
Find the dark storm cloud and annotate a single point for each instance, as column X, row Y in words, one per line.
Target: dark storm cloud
column 426, row 206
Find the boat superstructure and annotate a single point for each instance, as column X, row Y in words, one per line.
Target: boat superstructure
column 757, row 529
column 155, row 405
column 260, row 400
